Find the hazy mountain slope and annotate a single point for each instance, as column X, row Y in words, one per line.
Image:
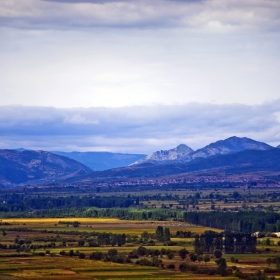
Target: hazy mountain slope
column 102, row 160
column 230, row 145
column 164, row 156
column 244, row 161
column 17, row 167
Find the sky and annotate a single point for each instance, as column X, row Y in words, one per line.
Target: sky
column 138, row 76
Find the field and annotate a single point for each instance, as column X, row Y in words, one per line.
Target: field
column 46, row 261
column 79, row 247
column 73, row 268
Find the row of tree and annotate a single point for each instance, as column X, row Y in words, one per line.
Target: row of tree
column 242, row 221
column 38, row 203
column 230, row 242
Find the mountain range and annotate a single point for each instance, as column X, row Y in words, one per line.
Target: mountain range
column 234, row 155
column 246, row 161
column 183, row 153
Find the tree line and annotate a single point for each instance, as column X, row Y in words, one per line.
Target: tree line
column 230, row 242
column 242, row 221
column 20, row 203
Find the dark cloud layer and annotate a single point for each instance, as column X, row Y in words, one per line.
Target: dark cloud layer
column 85, row 1
column 210, row 15
column 136, row 129
column 115, row 1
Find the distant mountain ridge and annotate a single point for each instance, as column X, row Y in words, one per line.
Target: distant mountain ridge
column 235, row 163
column 24, row 167
column 99, row 161
column 230, row 145
column 235, row 155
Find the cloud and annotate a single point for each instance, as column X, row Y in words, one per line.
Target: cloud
column 123, row 53
column 208, row 16
column 142, row 129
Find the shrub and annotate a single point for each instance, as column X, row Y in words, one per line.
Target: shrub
column 144, row 262
column 218, row 254
column 82, row 255
column 183, row 266
column 171, row 266
column 96, row 255
column 170, row 255
column 183, row 253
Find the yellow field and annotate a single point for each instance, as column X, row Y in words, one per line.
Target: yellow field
column 116, row 226
column 56, row 220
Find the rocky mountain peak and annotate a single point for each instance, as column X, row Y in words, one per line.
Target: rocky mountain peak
column 183, row 148
column 230, row 145
column 165, row 156
column 183, row 153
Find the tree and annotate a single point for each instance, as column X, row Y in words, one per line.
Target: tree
column 193, row 257
column 82, row 255
column 159, row 233
column 156, row 261
column 222, row 266
column 76, row 224
column 145, row 235
column 183, row 253
column 218, row 254
column 206, row 258
column 170, row 255
column 183, row 266
column 96, row 255
column 141, row 251
column 112, row 252
column 171, row 266
column 166, row 234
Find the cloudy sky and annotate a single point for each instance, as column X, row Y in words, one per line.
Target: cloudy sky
column 138, row 75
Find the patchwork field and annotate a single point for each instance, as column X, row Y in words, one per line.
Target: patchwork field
column 43, row 240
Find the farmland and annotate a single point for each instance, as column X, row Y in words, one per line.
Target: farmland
column 60, row 233
column 44, row 239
